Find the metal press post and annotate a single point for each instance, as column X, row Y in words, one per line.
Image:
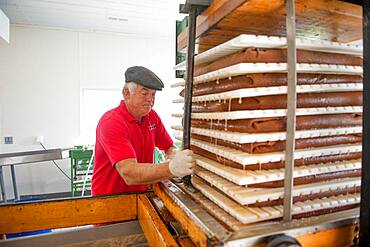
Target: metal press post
column 291, row 111
column 189, row 85
column 365, row 176
column 193, row 7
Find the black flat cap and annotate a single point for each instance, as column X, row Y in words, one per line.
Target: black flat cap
column 144, row 77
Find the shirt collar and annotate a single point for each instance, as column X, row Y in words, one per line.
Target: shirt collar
column 127, row 114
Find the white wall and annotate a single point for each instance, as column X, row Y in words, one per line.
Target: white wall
column 42, row 72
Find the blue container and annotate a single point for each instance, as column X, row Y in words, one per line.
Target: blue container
column 23, row 234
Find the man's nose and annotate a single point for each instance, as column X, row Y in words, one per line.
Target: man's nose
column 151, row 98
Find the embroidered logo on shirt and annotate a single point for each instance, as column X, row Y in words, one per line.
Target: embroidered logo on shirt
column 152, row 127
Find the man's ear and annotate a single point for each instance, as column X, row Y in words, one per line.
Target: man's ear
column 126, row 92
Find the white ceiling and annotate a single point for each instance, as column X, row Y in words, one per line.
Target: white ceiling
column 121, row 16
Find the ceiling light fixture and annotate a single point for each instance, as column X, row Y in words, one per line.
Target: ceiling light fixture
column 116, row 18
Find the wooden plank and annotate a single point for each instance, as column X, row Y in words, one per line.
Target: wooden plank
column 198, row 237
column 316, row 19
column 68, row 212
column 154, row 229
column 185, row 242
column 161, row 209
column 335, row 237
column 341, row 236
column 182, row 238
column 78, row 235
column 131, row 240
column 209, row 17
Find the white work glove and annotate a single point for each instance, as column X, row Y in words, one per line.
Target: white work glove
column 182, row 164
column 172, row 155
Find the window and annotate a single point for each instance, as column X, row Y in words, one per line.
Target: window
column 94, row 103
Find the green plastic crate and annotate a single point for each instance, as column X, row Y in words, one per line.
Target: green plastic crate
column 159, row 156
column 80, row 158
column 181, row 25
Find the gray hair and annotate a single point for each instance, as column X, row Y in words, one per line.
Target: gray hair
column 131, row 86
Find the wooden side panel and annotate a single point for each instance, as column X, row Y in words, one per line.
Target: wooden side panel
column 337, row 237
column 159, row 207
column 198, row 237
column 66, row 213
column 185, row 242
column 130, row 240
column 154, row 230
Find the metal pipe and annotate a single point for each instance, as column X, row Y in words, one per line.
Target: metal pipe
column 189, row 83
column 14, row 179
column 2, row 185
column 189, row 77
column 291, row 111
column 365, row 177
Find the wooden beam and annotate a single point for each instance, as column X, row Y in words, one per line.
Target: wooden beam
column 198, row 237
column 80, row 236
column 185, row 242
column 340, row 236
column 208, row 18
column 331, row 20
column 130, row 240
column 154, row 229
column 159, row 207
column 66, row 213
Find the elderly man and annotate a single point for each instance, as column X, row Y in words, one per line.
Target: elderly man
column 126, row 137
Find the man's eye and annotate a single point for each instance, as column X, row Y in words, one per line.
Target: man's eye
column 144, row 93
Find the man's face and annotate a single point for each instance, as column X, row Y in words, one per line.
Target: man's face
column 140, row 101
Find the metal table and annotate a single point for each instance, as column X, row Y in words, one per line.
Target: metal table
column 19, row 158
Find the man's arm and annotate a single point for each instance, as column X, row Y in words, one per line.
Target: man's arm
column 142, row 173
column 135, row 173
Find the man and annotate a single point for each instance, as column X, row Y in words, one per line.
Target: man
column 126, row 137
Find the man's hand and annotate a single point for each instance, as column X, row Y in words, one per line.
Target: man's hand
column 182, row 164
column 172, row 154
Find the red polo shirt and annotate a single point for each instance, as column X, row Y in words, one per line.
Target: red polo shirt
column 118, row 137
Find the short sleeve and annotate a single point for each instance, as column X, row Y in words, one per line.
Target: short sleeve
column 115, row 140
column 163, row 140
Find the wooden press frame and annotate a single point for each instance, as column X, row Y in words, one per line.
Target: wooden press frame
column 203, row 229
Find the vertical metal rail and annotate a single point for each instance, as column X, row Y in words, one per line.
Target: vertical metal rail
column 365, row 176
column 2, row 185
column 189, row 84
column 176, row 30
column 291, row 111
column 14, row 179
